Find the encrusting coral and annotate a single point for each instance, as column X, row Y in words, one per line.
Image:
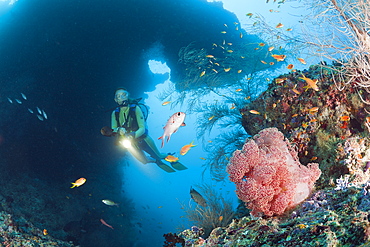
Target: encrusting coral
column 268, row 175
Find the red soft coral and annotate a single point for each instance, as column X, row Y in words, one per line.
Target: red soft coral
column 268, row 175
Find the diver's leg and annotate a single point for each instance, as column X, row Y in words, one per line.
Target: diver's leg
column 149, row 146
column 139, row 155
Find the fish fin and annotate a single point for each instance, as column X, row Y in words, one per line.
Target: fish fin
column 73, row 185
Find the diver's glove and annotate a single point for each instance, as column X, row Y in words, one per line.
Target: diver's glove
column 121, row 131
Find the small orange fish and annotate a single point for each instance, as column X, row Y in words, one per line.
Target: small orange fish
column 202, row 158
column 78, row 182
column 296, row 91
column 301, row 60
column 202, row 74
column 279, row 57
column 166, row 103
column 310, row 83
column 289, row 29
column 186, row 148
column 223, row 32
column 210, row 118
column 254, row 112
column 210, row 56
column 232, row 106
column 240, row 71
column 261, row 44
column 345, row 118
column 290, row 66
column 304, row 125
column 263, row 62
column 171, row 158
column 249, row 14
column 280, row 25
column 220, row 218
column 230, row 51
column 227, row 70
column 241, row 35
column 238, row 90
column 271, row 48
column 279, row 80
column 313, row 110
column 45, row 232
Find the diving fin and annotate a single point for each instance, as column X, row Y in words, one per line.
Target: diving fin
column 178, row 166
column 164, row 167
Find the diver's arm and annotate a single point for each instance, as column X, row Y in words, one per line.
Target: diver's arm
column 140, row 122
column 114, row 123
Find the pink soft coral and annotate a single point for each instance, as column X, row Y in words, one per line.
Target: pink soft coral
column 268, row 175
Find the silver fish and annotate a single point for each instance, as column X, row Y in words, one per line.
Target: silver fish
column 24, row 96
column 172, row 125
column 44, row 114
column 109, row 202
column 40, row 117
column 38, row 110
column 18, row 101
column 10, row 101
column 30, row 110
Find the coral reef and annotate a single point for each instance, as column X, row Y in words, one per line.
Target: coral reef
column 319, row 123
column 16, row 231
column 328, row 218
column 218, row 211
column 268, row 175
column 172, row 240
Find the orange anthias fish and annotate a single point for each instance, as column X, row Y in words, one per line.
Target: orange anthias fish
column 301, row 60
column 254, row 112
column 186, row 148
column 45, row 232
column 279, row 58
column 310, row 83
column 78, row 182
column 105, row 223
column 166, row 103
column 171, row 158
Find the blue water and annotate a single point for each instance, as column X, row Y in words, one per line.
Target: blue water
column 68, row 57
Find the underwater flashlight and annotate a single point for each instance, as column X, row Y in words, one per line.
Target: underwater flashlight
column 126, row 143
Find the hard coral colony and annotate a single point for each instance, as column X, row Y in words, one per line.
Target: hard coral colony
column 268, row 175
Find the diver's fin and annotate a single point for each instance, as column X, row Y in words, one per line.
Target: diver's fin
column 178, row 166
column 164, row 167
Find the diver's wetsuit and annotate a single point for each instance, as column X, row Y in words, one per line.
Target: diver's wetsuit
column 134, row 122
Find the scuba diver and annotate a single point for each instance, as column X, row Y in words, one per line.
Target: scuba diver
column 128, row 122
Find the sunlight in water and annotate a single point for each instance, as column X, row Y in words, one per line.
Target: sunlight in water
column 157, row 67
column 11, row 2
